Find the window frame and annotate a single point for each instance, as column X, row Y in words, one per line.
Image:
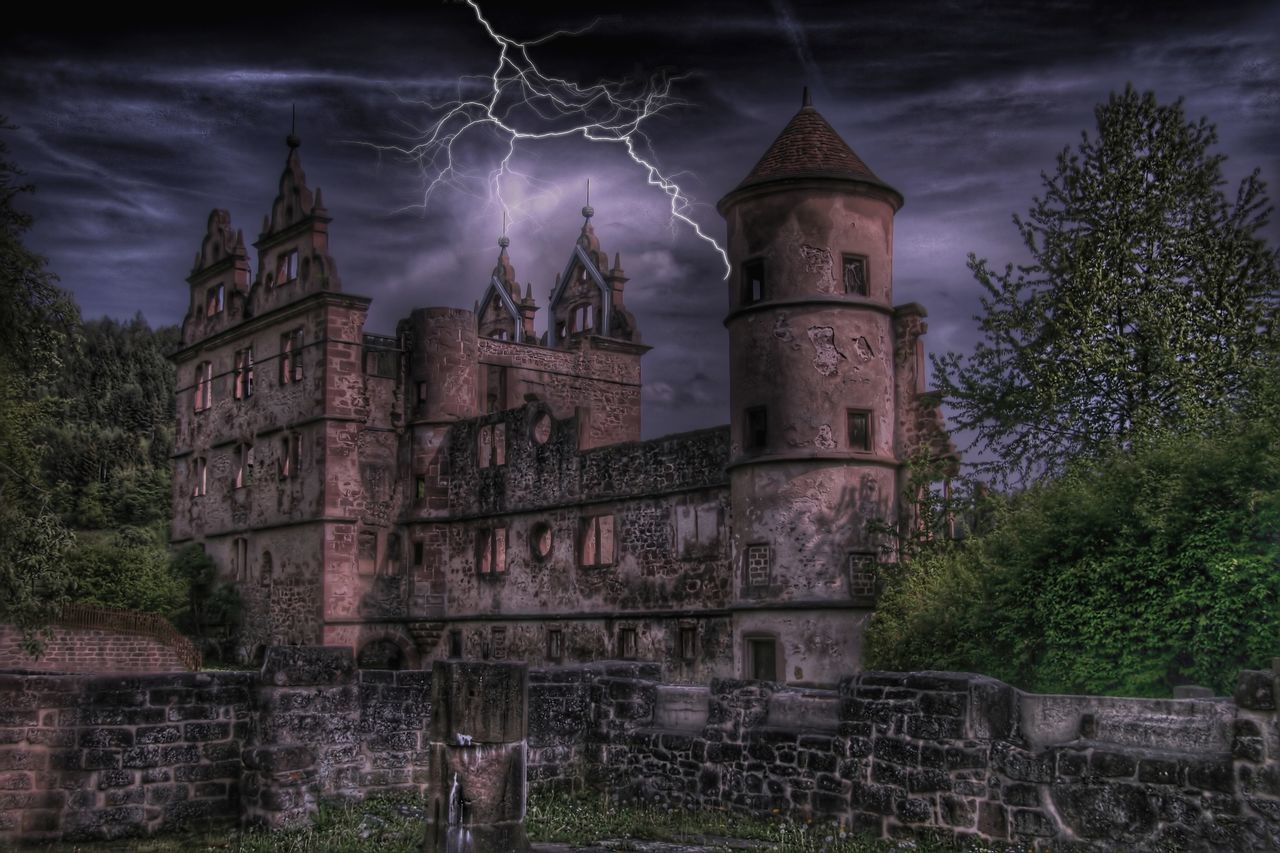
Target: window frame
column 845, row 258
column 242, row 384
column 491, row 551
column 199, row 476
column 291, row 356
column 204, row 387
column 868, row 445
column 286, row 265
column 590, row 529
column 749, row 295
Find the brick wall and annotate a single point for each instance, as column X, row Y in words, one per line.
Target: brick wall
column 88, row 650
column 113, row 756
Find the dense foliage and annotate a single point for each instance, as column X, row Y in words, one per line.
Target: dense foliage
column 1148, row 305
column 38, row 324
column 1127, row 575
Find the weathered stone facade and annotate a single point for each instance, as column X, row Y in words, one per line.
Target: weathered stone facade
column 469, row 487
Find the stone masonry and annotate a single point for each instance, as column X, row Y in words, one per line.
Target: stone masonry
column 947, row 755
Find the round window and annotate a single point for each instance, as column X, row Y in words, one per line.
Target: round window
column 540, row 540
column 542, row 428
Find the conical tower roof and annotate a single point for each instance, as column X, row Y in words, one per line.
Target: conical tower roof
column 809, row 147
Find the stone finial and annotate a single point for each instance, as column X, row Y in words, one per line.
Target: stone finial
column 319, row 203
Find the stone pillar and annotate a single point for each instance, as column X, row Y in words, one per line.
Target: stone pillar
column 476, row 788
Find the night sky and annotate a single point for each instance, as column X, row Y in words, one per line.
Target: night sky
column 133, row 128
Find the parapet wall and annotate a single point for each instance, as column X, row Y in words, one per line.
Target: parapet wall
column 89, row 650
column 950, row 755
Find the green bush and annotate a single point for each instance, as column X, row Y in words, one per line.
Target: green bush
column 1151, row 567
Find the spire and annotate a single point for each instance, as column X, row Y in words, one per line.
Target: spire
column 292, row 139
column 805, row 100
column 503, row 272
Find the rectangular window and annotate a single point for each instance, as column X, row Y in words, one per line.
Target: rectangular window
column 753, row 282
column 243, row 475
column 688, row 642
column 420, row 489
column 759, row 561
column 859, row 430
column 393, row 555
column 697, row 529
column 214, row 300
column 855, row 275
column 498, row 643
column 240, row 559
column 597, row 541
column 367, row 552
column 199, row 477
column 496, row 389
column 555, row 644
column 422, row 393
column 762, row 659
column 204, row 386
column 627, row 643
column 417, row 554
column 244, row 374
column 291, row 357
column 290, row 455
column 287, row 267
column 491, row 551
column 756, row 435
column 455, row 644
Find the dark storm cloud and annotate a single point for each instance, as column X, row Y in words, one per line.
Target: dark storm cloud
column 133, row 129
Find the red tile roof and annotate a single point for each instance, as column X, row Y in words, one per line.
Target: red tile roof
column 809, row 147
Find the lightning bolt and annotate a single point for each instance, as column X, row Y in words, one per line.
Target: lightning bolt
column 522, row 103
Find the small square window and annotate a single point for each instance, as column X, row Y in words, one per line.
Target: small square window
column 756, row 435
column 859, row 430
column 753, row 289
column 855, row 275
column 762, row 659
column 862, row 574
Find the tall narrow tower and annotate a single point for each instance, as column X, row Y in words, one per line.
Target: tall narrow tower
column 815, row 405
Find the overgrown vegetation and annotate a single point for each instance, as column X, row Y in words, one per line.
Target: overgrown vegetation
column 395, row 824
column 86, row 432
column 1127, row 379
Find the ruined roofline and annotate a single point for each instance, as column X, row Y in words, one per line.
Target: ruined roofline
column 276, row 314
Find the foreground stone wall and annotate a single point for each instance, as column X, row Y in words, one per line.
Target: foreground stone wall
column 949, row 755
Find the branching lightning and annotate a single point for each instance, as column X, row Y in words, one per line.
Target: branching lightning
column 522, row 103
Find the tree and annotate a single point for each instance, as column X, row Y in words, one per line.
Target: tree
column 1149, row 303
column 38, row 325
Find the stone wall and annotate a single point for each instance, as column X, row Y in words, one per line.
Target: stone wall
column 948, row 755
column 89, row 650
column 953, row 756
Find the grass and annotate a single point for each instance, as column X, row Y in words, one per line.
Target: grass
column 395, row 824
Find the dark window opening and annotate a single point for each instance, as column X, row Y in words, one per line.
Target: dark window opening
column 757, row 428
column 420, row 489
column 688, row 642
column 555, row 644
column 855, row 275
column 753, row 282
column 859, row 430
column 455, row 644
column 762, row 659
column 627, row 643
column 417, row 553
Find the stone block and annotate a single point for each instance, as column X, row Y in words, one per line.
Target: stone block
column 1255, row 690
column 286, row 666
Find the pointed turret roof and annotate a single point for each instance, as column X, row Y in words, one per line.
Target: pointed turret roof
column 809, row 147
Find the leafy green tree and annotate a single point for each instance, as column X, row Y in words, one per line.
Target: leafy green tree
column 128, row 569
column 38, row 326
column 1149, row 303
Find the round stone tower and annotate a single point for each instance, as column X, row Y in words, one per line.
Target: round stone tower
column 814, row 457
